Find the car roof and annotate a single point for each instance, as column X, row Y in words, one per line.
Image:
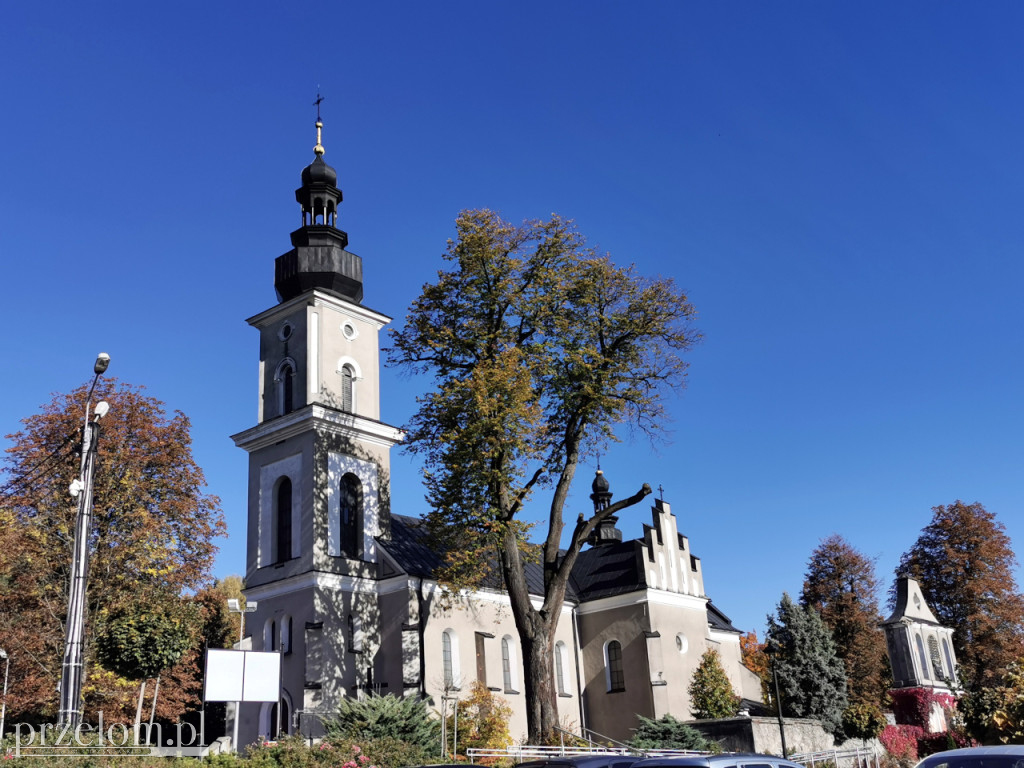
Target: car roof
column 714, row 761
column 583, row 761
column 1001, row 750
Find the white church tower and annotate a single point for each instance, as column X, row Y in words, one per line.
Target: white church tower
column 318, row 473
column 920, row 649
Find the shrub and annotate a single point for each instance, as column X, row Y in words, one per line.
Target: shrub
column 900, row 741
column 711, row 694
column 669, row 733
column 863, row 721
column 483, row 720
column 380, row 718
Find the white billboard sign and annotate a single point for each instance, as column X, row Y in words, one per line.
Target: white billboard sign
column 242, row 675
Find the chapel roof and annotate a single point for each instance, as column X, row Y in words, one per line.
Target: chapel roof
column 603, row 571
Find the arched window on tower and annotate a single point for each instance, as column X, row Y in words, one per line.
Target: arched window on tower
column 285, row 388
column 283, row 519
column 949, row 659
column 351, row 515
column 936, row 659
column 348, row 388
column 922, row 657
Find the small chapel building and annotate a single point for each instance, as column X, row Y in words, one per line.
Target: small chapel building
column 345, row 585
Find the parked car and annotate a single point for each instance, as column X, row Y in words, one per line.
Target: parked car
column 1007, row 756
column 718, row 761
column 609, row 760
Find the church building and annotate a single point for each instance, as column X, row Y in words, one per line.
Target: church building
column 345, row 585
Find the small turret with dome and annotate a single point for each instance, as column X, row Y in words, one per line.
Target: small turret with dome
column 605, row 532
column 318, row 259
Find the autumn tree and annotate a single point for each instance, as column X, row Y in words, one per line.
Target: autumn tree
column 152, row 538
column 812, row 678
column 711, row 694
column 756, row 660
column 840, row 584
column 964, row 562
column 540, row 348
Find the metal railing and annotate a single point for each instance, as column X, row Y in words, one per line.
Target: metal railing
column 840, row 758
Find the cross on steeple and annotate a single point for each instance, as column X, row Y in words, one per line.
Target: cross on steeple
column 319, row 148
column 661, row 492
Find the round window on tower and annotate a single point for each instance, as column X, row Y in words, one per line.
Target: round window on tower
column 285, row 332
column 681, row 645
column 348, row 330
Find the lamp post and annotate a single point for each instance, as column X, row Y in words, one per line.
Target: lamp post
column 3, row 710
column 771, row 652
column 235, row 606
column 73, row 669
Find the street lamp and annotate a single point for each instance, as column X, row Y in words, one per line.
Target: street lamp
column 73, row 669
column 3, row 711
column 771, row 652
column 235, row 606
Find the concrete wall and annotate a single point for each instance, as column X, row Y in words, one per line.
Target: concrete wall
column 761, row 734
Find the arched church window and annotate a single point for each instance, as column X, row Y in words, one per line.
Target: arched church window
column 921, row 657
column 283, row 519
column 508, row 664
column 949, row 658
column 561, row 659
column 446, row 659
column 613, row 659
column 270, row 635
column 348, row 385
column 351, row 515
column 936, row 659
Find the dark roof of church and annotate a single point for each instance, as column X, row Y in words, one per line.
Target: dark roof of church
column 606, row 570
column 601, row 571
column 412, row 549
column 719, row 620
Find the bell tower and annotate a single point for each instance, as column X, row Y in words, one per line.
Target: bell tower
column 319, row 463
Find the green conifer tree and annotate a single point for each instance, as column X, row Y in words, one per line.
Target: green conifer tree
column 812, row 677
column 711, row 693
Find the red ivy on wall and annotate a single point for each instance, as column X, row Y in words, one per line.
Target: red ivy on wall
column 900, row 741
column 913, row 706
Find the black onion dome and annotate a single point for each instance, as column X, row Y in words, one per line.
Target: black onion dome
column 319, row 172
column 600, row 484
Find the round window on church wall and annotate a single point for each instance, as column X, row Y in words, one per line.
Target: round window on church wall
column 285, row 333
column 349, row 331
column 681, row 644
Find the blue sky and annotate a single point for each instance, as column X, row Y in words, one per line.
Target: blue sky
column 836, row 186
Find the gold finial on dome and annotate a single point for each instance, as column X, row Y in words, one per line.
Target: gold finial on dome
column 319, row 148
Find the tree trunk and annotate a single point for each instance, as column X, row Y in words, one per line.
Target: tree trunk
column 138, row 711
column 542, row 704
column 152, row 711
column 536, row 628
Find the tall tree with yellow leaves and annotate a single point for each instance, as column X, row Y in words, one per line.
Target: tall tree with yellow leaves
column 540, row 349
column 152, row 536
